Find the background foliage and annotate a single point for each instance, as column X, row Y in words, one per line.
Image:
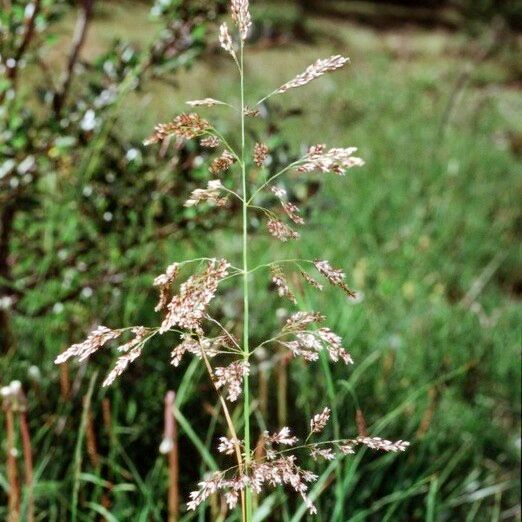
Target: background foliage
column 428, row 231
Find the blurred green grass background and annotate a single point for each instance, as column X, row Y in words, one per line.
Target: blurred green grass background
column 428, row 231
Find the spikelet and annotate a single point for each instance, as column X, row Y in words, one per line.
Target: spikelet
column 226, row 40
column 163, row 282
column 281, row 231
column 260, row 154
column 319, row 421
column 335, row 276
column 210, row 194
column 186, row 126
column 314, row 71
column 211, row 142
column 131, row 351
column 224, row 162
column 291, row 210
column 279, row 280
column 335, row 160
column 206, row 102
column 231, row 377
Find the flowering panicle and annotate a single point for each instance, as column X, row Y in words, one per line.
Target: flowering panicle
column 188, row 307
column 185, row 311
column 332, row 160
column 131, row 351
column 211, row 194
column 185, row 126
column 96, row 340
column 231, row 377
column 260, row 154
column 241, row 16
column 315, row 70
column 279, row 280
column 224, row 162
column 334, row 275
column 205, row 102
column 280, row 231
column 164, row 283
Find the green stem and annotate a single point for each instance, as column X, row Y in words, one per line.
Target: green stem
column 246, row 349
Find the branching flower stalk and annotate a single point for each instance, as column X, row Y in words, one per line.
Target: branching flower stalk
column 187, row 310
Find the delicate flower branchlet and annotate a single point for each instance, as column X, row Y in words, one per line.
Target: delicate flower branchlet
column 334, row 275
column 260, row 154
column 228, row 446
column 283, row 437
column 311, row 281
column 205, row 102
column 283, row 471
column 300, row 320
column 335, row 160
column 224, row 162
column 197, row 347
column 320, row 420
column 280, row 230
column 164, row 282
column 210, row 142
column 308, row 344
column 96, row 340
column 226, row 40
column 291, row 210
column 374, row 443
column 185, row 126
column 187, row 308
column 131, row 351
column 241, row 16
column 315, row 70
column 324, row 453
column 211, row 194
column 251, row 112
column 279, row 280
column 231, row 377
